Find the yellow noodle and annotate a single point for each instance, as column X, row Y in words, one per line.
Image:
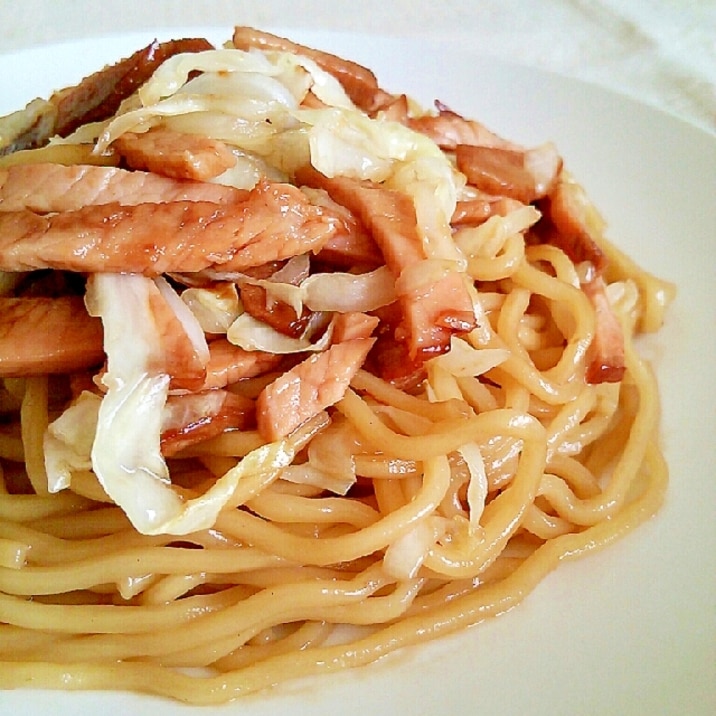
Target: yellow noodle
column 308, row 635
column 349, row 546
column 34, row 421
column 473, row 608
column 301, row 509
column 500, row 266
column 11, row 447
column 143, row 560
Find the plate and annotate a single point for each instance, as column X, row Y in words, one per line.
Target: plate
column 632, row 629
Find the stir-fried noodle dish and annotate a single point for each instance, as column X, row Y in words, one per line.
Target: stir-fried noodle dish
column 295, row 372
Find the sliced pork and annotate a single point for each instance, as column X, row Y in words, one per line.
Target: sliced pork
column 275, row 221
column 175, row 154
column 47, row 335
column 48, row 188
column 318, row 382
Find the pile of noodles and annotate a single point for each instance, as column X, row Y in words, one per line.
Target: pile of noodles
column 408, row 513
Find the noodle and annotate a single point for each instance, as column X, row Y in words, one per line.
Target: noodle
column 461, row 456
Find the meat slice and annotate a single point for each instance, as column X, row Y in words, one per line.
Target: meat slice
column 432, row 311
column 351, row 245
column 448, row 129
column 475, row 211
column 308, row 388
column 175, row 154
column 27, row 128
column 607, row 362
column 45, row 188
column 279, row 315
column 194, row 417
column 522, row 175
column 359, row 82
column 274, row 222
column 348, row 326
column 388, row 215
column 47, row 335
column 349, row 249
column 99, row 95
column 229, row 363
column 572, row 224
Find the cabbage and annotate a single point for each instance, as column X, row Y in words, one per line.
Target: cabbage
column 242, row 97
column 488, row 238
column 253, row 114
column 463, row 360
column 68, row 441
column 349, row 143
column 125, row 453
column 346, row 292
column 323, row 84
column 442, row 385
column 214, row 308
column 247, row 171
column 340, row 292
column 308, row 474
column 174, row 73
column 295, row 270
column 254, row 335
column 248, row 95
column 477, row 485
column 404, row 557
column 330, row 465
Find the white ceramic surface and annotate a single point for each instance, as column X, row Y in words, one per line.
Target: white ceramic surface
column 631, row 630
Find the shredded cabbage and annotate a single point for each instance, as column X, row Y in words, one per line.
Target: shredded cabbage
column 125, row 454
column 307, row 474
column 463, row 360
column 245, row 97
column 174, row 72
column 323, row 84
column 253, row 335
column 330, row 465
column 341, row 292
column 404, row 557
column 488, row 238
column 68, row 441
column 477, row 485
column 214, row 308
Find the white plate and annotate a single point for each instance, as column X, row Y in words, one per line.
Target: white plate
column 631, row 630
